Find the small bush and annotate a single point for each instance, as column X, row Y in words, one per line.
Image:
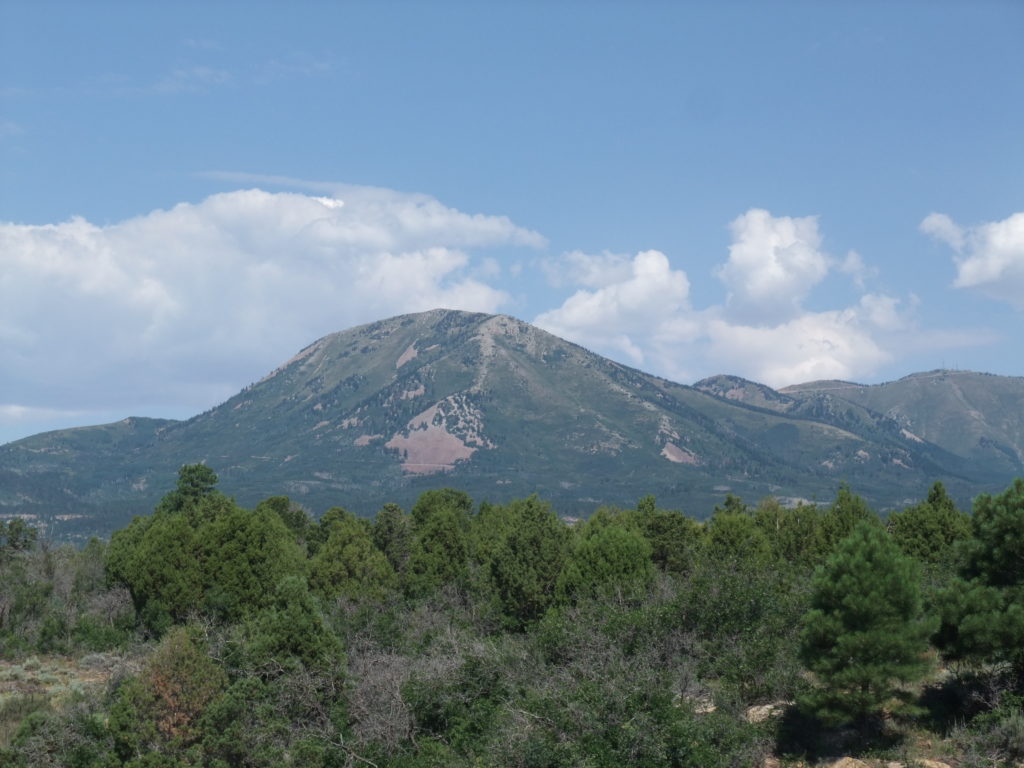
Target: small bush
column 993, row 737
column 14, row 673
column 93, row 634
column 15, row 709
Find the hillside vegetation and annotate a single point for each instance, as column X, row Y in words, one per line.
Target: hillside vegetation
column 502, row 409
column 463, row 634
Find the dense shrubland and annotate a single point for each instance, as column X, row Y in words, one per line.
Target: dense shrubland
column 496, row 635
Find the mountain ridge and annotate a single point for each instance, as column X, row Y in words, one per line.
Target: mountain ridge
column 491, row 404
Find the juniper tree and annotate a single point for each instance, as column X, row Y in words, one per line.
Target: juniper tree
column 526, row 565
column 349, row 565
column 928, row 531
column 607, row 559
column 843, row 515
column 865, row 635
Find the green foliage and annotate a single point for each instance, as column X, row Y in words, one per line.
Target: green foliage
column 291, row 630
column 995, row 555
column 392, row 535
column 92, row 633
column 796, row 534
column 740, row 622
column 122, row 551
column 76, row 735
column 196, row 482
column 200, row 552
column 159, row 561
column 609, row 701
column 488, row 530
column 674, row 538
column 295, row 518
column 349, row 565
column 527, row 564
column 928, row 531
column 432, row 502
column 607, row 558
column 843, row 515
column 983, row 612
column 245, row 554
column 461, row 705
column 295, row 718
column 159, row 711
column 864, row 634
column 735, row 536
column 732, row 505
column 57, row 600
column 440, row 552
column 16, row 536
column 527, row 643
column 981, row 624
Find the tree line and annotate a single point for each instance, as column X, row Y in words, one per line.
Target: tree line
column 459, row 634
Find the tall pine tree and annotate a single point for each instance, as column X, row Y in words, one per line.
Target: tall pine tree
column 864, row 635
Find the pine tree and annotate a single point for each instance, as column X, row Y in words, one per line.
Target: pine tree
column 983, row 611
column 864, row 634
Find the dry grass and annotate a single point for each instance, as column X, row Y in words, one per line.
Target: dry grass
column 48, row 682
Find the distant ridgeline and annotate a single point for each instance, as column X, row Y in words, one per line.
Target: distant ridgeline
column 382, row 412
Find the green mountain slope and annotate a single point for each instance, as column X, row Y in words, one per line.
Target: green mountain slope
column 976, row 416
column 489, row 404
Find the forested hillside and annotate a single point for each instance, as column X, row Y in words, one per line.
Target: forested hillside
column 464, row 634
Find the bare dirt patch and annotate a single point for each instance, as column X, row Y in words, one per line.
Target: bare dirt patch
column 678, row 455
column 447, row 432
column 406, row 356
column 430, row 450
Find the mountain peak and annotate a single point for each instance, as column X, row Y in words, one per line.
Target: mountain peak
column 744, row 391
column 503, row 409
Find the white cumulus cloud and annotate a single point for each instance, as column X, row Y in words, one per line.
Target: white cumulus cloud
column 989, row 257
column 177, row 306
column 774, row 262
column 836, row 344
column 639, row 310
column 629, row 303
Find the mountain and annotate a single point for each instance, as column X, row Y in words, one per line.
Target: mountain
column 501, row 409
column 976, row 416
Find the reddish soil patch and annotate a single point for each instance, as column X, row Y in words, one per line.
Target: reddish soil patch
column 678, row 455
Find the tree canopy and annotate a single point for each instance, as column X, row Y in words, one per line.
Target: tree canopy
column 865, row 633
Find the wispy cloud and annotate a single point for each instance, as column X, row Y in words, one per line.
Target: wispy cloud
column 193, row 79
column 201, row 44
column 10, row 128
column 11, row 413
column 272, row 180
column 293, row 65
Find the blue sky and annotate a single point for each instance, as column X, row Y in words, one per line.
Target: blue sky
column 189, row 193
